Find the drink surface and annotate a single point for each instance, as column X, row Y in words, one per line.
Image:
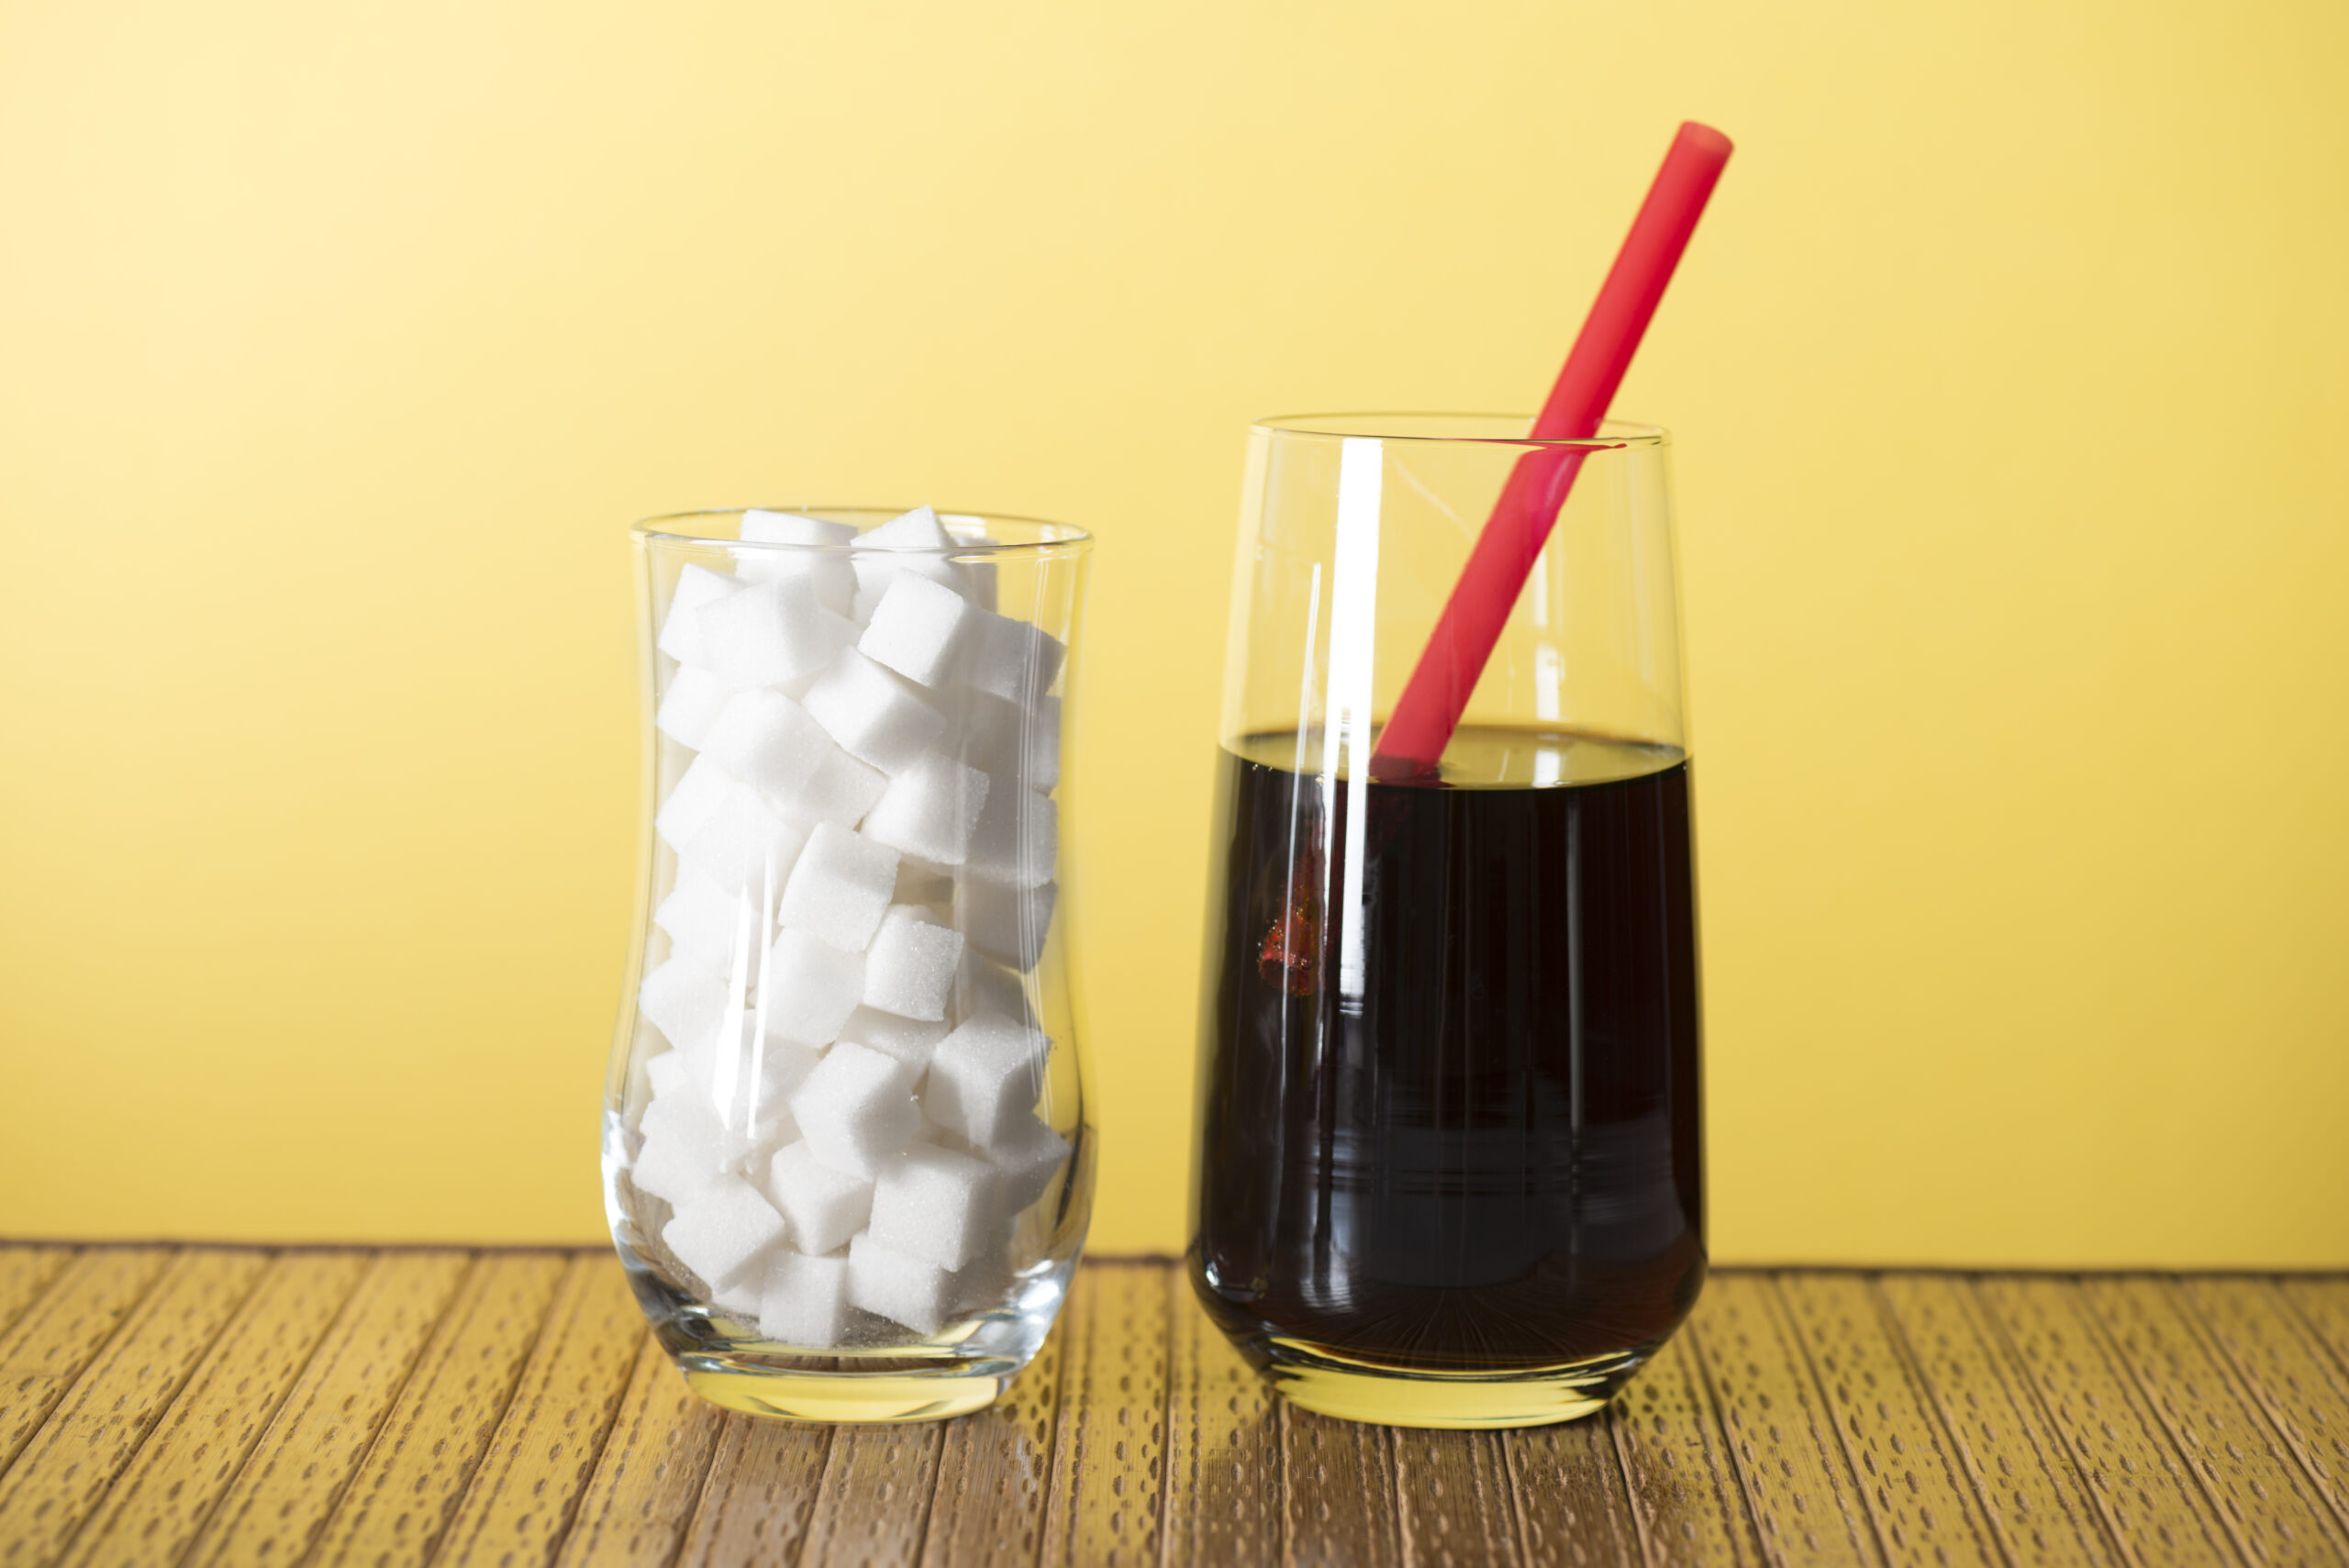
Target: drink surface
column 1464, row 1134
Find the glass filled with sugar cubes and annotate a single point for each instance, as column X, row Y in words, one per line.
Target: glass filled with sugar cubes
column 848, row 1159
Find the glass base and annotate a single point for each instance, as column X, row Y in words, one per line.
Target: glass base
column 872, row 1399
column 1330, row 1382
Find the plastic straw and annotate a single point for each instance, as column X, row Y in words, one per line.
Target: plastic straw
column 1438, row 690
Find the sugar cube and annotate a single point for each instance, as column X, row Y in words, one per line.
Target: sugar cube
column 839, row 889
column 771, row 633
column 725, row 1233
column 829, row 573
column 804, row 1301
column 844, row 790
column 917, row 627
column 929, row 809
column 766, row 741
column 743, row 841
column 982, row 1075
column 910, row 1040
column 911, row 967
column 750, row 1085
column 683, row 1001
column 935, row 1204
column 1006, row 923
column 874, row 714
column 702, row 919
column 692, row 701
column 683, row 1124
column 825, row 1207
column 810, row 988
column 1017, row 840
column 906, row 543
column 1008, row 658
column 1009, row 740
column 699, row 791
column 1026, row 1158
column 981, row 985
column 698, row 587
column 904, row 1290
column 666, row 1073
column 856, row 1109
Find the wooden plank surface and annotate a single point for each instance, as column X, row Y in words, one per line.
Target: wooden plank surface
column 182, row 1405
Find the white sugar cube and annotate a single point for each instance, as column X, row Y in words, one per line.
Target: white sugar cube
column 840, row 888
column 691, row 703
column 1017, row 840
column 1026, row 1158
column 935, row 1204
column 701, row 919
column 827, row 573
column 844, row 790
column 768, row 742
column 810, row 988
column 683, row 1125
column 906, row 543
column 981, row 985
column 726, row 1234
column 910, row 968
column 804, row 1301
column 683, row 1001
column 1008, row 924
column 825, row 1207
column 770, row 634
column 670, row 1171
column 917, row 628
column 931, row 809
column 1008, row 741
column 904, row 1290
column 744, row 841
column 856, row 1109
column 910, row 1040
column 983, row 1076
column 750, row 1085
column 666, row 1073
column 699, row 791
column 874, row 714
column 698, row 587
column 1008, row 658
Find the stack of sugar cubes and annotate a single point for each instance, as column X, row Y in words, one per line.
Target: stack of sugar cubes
column 844, row 1117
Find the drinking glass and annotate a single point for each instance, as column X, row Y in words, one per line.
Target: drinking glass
column 847, row 1151
column 1448, row 1167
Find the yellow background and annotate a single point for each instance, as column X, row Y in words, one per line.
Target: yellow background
column 339, row 343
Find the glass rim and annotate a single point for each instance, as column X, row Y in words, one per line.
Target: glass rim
column 1050, row 537
column 1391, row 425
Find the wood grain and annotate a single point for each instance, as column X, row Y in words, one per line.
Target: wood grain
column 407, row 1489
column 523, row 1495
column 2151, row 1506
column 1110, row 1440
column 1224, row 1502
column 994, row 1472
column 174, row 1480
column 2304, row 1394
column 643, row 1496
column 62, row 1331
column 70, row 1462
column 1573, row 1503
column 2265, row 1500
column 1801, row 1489
column 279, row 1503
column 1915, row 1491
column 1685, row 1498
column 2021, row 1472
column 1338, row 1481
column 378, row 1408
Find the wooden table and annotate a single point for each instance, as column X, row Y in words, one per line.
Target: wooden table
column 209, row 1404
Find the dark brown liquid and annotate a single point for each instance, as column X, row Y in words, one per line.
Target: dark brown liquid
column 1470, row 1140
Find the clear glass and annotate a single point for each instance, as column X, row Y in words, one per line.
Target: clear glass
column 848, row 1157
column 1448, row 1169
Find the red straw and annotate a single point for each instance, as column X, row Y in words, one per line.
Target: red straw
column 1505, row 551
